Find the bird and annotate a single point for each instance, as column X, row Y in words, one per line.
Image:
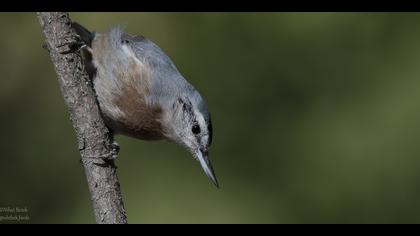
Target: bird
column 141, row 93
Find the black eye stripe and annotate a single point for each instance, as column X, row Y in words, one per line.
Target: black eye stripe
column 187, row 108
column 186, row 105
column 210, row 129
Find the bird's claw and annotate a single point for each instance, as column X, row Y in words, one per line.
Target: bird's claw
column 115, row 150
column 70, row 45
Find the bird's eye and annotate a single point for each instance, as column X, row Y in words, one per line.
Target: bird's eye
column 196, row 129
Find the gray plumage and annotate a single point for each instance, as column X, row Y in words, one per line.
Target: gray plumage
column 142, row 94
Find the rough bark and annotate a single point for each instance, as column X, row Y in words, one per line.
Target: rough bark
column 94, row 139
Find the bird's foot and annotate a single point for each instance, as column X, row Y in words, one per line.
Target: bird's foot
column 70, row 45
column 115, row 150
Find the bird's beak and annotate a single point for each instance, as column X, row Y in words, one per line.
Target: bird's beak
column 206, row 165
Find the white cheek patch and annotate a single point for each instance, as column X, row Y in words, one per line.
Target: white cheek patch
column 205, row 140
column 204, row 135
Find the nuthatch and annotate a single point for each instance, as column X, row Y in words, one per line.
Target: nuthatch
column 142, row 94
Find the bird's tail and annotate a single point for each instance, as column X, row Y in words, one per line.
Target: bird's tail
column 86, row 36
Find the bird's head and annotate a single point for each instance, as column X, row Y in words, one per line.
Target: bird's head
column 189, row 124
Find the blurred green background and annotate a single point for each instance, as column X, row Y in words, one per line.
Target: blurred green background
column 316, row 120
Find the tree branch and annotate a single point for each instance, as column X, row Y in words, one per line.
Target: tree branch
column 94, row 139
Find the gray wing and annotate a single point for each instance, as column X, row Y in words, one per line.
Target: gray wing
column 167, row 83
column 145, row 49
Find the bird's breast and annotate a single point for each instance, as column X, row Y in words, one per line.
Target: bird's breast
column 138, row 119
column 122, row 84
